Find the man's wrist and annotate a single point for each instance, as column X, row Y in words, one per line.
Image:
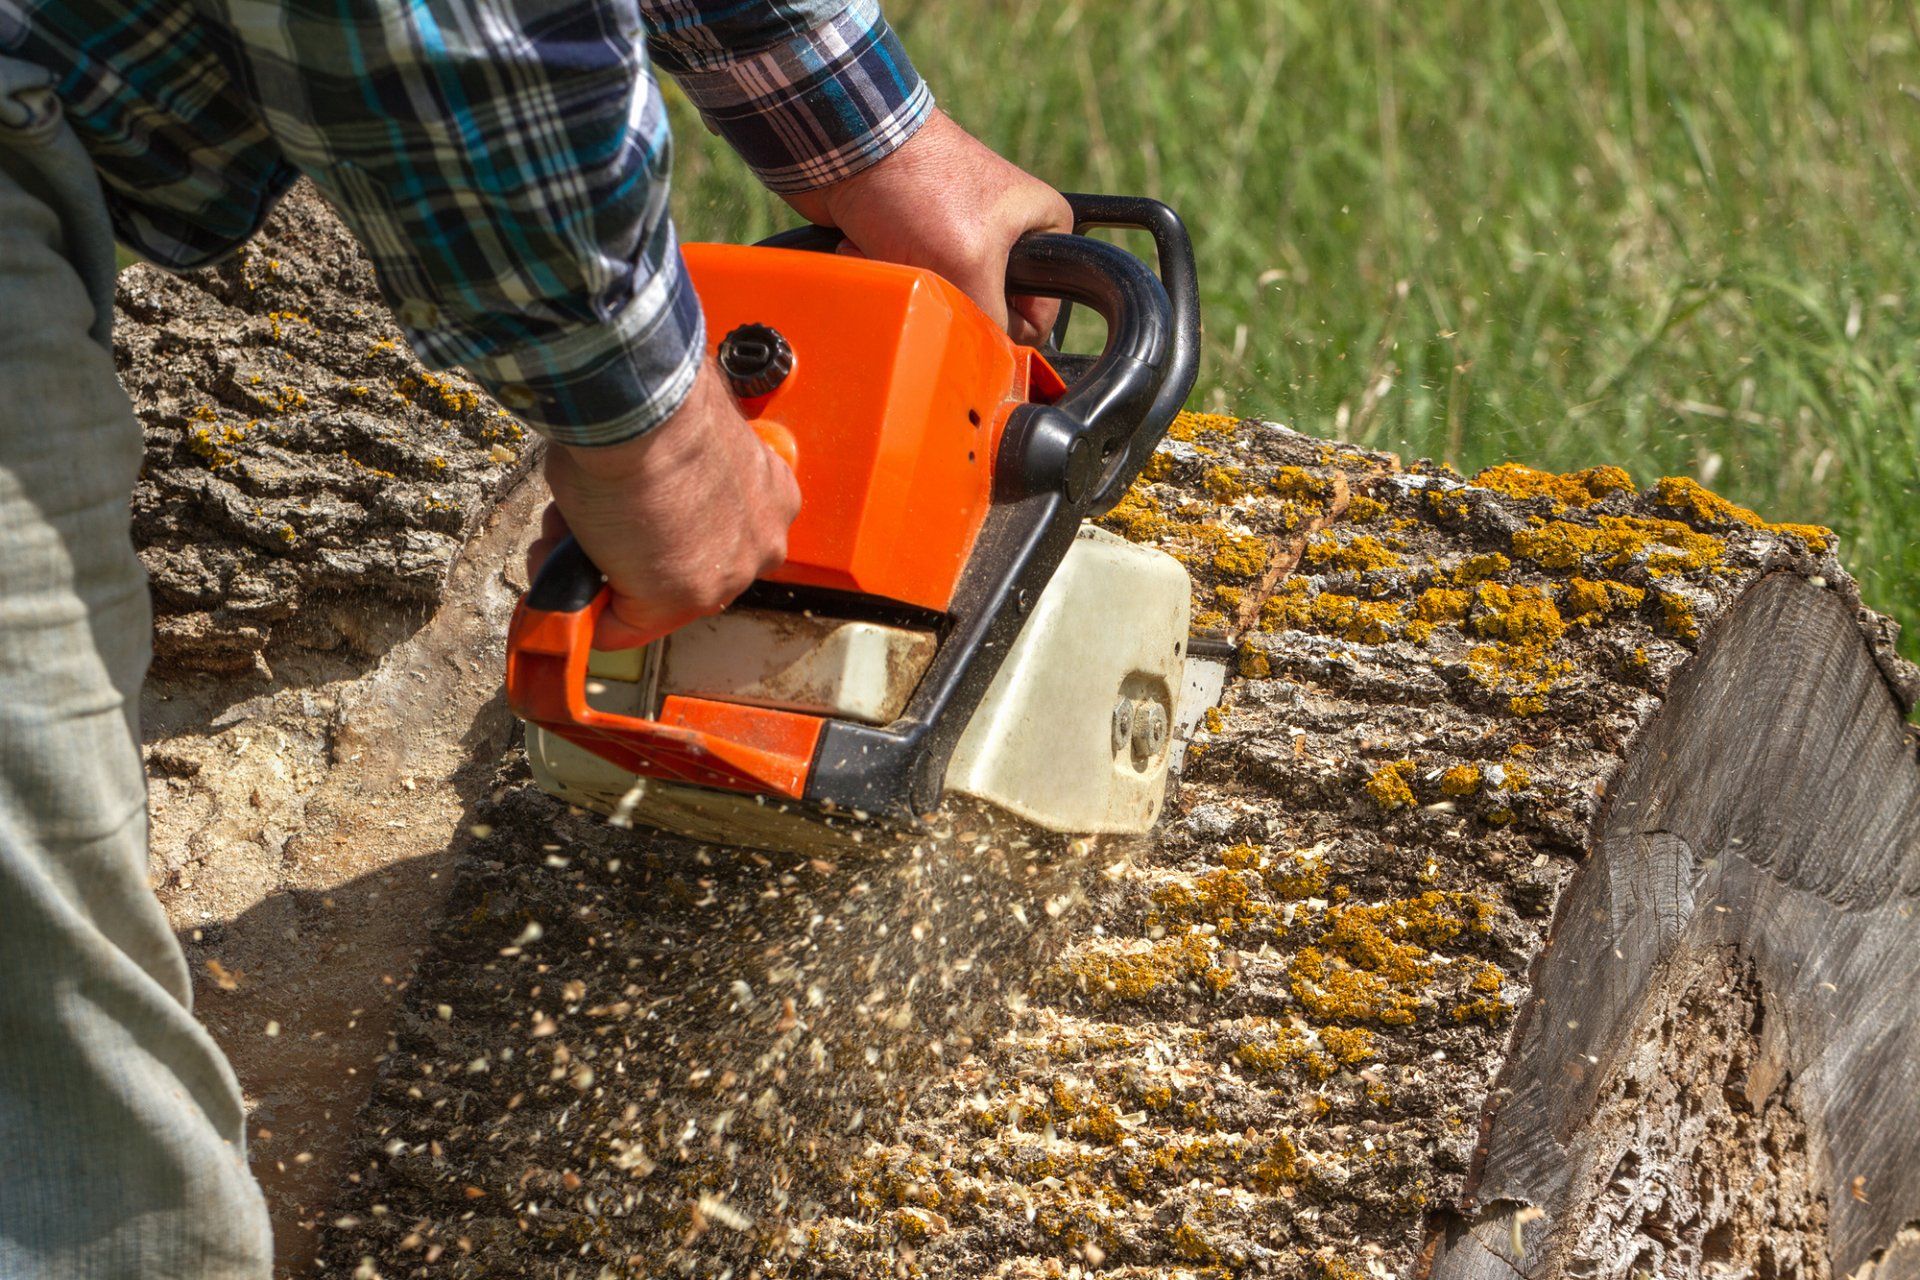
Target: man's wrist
column 683, row 433
column 606, row 463
column 620, row 459
column 832, row 205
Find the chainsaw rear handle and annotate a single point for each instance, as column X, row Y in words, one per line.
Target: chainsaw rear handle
column 1084, row 444
column 1180, row 277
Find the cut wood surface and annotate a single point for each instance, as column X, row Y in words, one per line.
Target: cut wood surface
column 1491, row 903
column 1538, row 901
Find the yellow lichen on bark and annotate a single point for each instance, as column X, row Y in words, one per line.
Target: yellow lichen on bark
column 1133, row 975
column 1330, row 613
column 1709, row 508
column 1574, row 489
column 1584, row 600
column 1223, row 484
column 1678, row 617
column 1358, row 555
column 1440, row 604
column 1191, row 426
column 1388, row 785
column 1315, row 1053
column 1478, row 568
column 1617, row 542
column 1330, row 989
column 1302, row 485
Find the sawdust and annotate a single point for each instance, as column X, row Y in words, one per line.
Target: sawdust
column 657, row 1051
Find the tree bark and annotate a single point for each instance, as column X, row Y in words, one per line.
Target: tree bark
column 308, row 485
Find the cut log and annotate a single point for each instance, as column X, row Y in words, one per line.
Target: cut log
column 1717, row 1069
column 1538, row 902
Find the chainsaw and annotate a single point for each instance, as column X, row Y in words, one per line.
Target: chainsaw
column 947, row 623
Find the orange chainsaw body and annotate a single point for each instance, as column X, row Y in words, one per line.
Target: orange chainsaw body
column 900, row 389
column 891, row 418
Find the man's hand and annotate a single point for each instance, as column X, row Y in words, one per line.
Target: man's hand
column 946, row 202
column 681, row 520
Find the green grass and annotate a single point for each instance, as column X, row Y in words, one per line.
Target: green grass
column 1674, row 234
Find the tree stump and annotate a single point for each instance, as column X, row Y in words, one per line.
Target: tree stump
column 1538, row 901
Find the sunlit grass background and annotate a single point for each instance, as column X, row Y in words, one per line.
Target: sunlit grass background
column 1674, row 234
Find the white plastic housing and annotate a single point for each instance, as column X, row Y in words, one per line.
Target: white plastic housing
column 1110, row 629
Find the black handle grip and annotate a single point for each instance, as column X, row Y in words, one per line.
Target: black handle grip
column 1180, row 277
column 1084, row 443
column 810, row 238
column 568, row 582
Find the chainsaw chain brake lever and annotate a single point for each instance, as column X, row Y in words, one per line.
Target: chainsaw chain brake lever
column 1091, row 443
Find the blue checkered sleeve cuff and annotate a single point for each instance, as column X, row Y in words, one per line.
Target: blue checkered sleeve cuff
column 600, row 382
column 815, row 108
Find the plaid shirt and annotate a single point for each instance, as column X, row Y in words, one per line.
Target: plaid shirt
column 505, row 162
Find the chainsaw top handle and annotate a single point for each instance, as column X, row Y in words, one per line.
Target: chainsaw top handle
column 1091, row 443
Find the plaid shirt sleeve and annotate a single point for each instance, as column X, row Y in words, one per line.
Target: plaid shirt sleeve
column 809, row 92
column 506, row 164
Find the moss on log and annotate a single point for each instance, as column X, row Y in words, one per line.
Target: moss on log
column 1538, row 900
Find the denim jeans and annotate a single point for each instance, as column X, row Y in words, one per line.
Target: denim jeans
column 121, row 1127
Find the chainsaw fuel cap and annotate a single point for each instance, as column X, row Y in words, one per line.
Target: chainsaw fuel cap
column 756, row 359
